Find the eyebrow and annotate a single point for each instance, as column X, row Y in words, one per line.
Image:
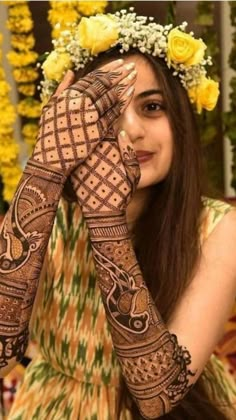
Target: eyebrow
column 149, row 92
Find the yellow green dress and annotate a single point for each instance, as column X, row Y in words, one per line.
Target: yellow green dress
column 75, row 374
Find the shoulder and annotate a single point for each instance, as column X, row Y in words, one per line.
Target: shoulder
column 219, row 248
column 215, row 212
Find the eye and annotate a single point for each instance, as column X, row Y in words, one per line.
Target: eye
column 153, row 107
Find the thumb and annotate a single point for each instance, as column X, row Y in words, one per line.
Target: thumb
column 129, row 159
column 65, row 83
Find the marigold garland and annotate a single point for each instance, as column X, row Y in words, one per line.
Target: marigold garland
column 10, row 170
column 23, row 60
column 63, row 14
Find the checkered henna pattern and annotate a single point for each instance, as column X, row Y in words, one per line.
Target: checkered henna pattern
column 73, row 123
column 102, row 183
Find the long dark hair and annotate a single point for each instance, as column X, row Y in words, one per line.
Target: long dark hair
column 167, row 233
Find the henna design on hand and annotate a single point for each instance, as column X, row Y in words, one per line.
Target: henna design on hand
column 73, row 122
column 23, row 242
column 105, row 183
column 154, row 365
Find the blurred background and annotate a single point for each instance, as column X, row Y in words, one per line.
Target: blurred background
column 27, row 29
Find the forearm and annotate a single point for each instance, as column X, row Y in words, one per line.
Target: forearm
column 23, row 241
column 155, row 367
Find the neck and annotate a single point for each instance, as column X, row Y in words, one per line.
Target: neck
column 136, row 206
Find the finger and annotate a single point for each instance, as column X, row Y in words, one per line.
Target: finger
column 65, row 83
column 129, row 160
column 105, row 77
column 117, row 94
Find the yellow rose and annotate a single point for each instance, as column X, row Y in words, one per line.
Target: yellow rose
column 205, row 94
column 56, row 65
column 97, row 33
column 183, row 48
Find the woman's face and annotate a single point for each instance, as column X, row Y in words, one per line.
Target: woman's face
column 145, row 120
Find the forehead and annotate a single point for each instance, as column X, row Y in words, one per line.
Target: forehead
column 146, row 76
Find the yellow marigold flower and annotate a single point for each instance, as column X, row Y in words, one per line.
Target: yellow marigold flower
column 56, row 65
column 183, row 48
column 25, row 75
column 19, row 10
column 89, row 8
column 2, row 74
column 10, row 171
column 19, row 24
column 8, row 152
column 57, row 30
column 26, row 89
column 205, row 95
column 22, row 59
column 97, row 33
column 11, row 176
column 62, row 4
column 4, row 88
column 30, row 130
column 7, row 115
column 67, row 16
column 16, row 2
column 5, row 130
column 29, row 108
column 22, row 42
column 5, row 101
column 8, row 192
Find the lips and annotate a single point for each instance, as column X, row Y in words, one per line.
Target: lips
column 143, row 155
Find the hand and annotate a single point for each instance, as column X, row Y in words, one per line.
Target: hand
column 74, row 121
column 106, row 181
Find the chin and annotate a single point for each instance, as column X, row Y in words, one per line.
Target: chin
column 146, row 182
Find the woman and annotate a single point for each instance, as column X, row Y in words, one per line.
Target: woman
column 125, row 136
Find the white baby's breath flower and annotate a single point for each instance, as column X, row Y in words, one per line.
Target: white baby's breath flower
column 134, row 31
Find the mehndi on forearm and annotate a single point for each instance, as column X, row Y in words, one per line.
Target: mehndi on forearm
column 154, row 365
column 23, row 241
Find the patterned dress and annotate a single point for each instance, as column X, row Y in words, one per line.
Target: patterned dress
column 75, row 374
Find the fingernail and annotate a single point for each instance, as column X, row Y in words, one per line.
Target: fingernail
column 132, row 75
column 130, row 66
column 122, row 133
column 130, row 91
column 120, row 61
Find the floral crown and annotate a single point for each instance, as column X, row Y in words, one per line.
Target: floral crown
column 184, row 54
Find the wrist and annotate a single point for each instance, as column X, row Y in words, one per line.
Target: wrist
column 105, row 227
column 47, row 172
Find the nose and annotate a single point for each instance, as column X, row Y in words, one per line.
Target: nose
column 131, row 122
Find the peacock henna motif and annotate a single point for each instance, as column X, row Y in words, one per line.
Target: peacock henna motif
column 154, row 365
column 71, row 125
column 124, row 300
column 23, row 241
